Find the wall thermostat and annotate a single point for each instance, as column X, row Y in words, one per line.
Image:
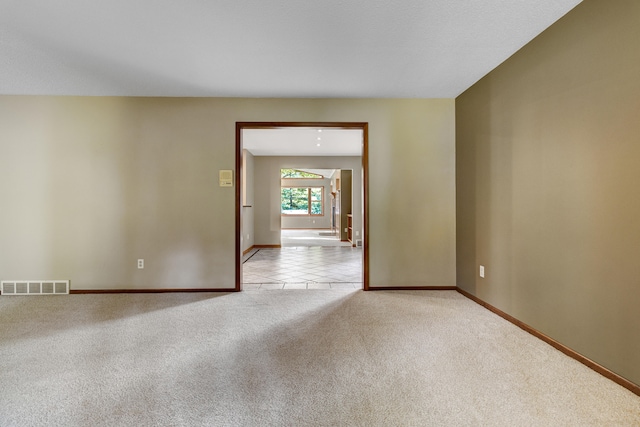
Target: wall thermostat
column 226, row 178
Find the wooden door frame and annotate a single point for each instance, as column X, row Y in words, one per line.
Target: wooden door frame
column 365, row 185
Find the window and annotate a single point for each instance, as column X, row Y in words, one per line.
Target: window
column 301, row 200
column 295, row 173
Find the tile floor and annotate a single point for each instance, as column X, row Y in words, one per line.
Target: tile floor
column 298, row 238
column 315, row 267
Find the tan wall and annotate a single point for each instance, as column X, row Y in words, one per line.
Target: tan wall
column 548, row 166
column 248, row 185
column 347, row 199
column 92, row 184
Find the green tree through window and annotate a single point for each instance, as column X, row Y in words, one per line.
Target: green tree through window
column 301, row 200
column 295, row 173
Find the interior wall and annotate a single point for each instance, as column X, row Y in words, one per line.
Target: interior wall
column 346, row 202
column 547, row 172
column 304, row 221
column 267, row 213
column 248, row 168
column 335, row 179
column 91, row 184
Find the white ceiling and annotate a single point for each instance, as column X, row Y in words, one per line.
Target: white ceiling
column 258, row 48
column 303, row 142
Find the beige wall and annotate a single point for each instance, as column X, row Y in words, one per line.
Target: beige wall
column 346, row 198
column 548, row 166
column 92, row 184
column 248, row 234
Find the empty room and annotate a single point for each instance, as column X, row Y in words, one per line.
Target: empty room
column 493, row 194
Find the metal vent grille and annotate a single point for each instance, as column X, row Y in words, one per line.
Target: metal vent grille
column 34, row 287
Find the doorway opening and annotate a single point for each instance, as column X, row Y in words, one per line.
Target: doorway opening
column 309, row 211
column 313, row 206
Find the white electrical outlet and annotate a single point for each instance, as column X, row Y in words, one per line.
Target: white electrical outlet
column 141, row 263
column 482, row 271
column 357, row 233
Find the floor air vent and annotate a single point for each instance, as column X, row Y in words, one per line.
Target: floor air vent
column 34, row 287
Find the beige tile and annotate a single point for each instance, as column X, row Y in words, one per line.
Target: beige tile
column 320, row 265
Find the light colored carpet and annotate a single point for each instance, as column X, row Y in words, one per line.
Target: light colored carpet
column 288, row 358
